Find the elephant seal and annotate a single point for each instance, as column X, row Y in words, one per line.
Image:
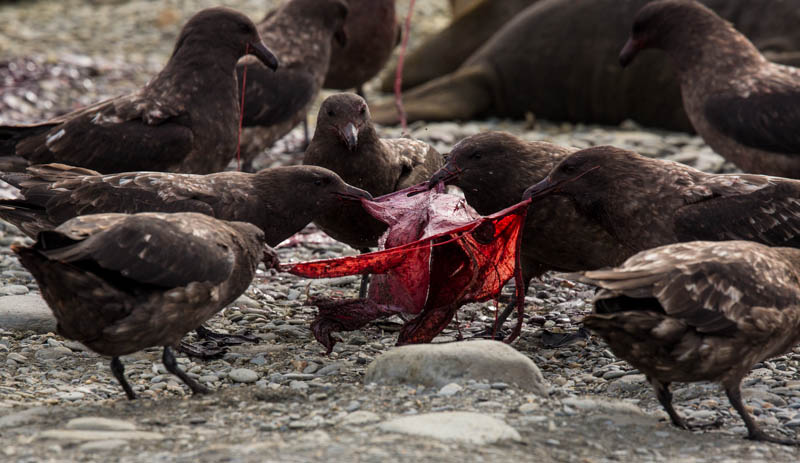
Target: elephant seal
column 557, row 60
column 474, row 22
column 372, row 33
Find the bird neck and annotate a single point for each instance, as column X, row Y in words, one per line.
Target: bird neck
column 298, row 50
column 715, row 49
column 276, row 217
column 200, row 63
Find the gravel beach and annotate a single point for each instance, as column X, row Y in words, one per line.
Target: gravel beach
column 283, row 399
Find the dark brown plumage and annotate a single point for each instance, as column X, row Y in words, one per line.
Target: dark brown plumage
column 744, row 107
column 120, row 283
column 345, row 141
column 700, row 311
column 301, row 32
column 494, row 169
column 372, row 33
column 280, row 201
column 184, row 120
column 643, row 203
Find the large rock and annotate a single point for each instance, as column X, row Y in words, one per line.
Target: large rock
column 472, row 428
column 440, row 364
column 28, row 312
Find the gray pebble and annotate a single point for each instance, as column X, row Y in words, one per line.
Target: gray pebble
column 328, row 369
column 243, row 375
column 19, row 358
column 13, row 290
column 298, row 385
column 450, row 390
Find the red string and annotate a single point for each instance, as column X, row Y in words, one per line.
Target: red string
column 398, row 78
column 241, row 114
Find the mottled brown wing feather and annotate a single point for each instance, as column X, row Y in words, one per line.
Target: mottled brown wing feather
column 770, row 215
column 146, row 250
column 418, row 161
column 708, row 288
column 119, row 135
column 765, row 121
column 274, row 96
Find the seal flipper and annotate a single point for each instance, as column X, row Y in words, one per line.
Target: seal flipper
column 461, row 96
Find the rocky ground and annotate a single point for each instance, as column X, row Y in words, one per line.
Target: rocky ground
column 282, row 399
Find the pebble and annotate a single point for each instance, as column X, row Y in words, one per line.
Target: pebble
column 19, row 358
column 360, row 417
column 627, row 384
column 440, row 364
column 468, row 427
column 100, row 424
column 72, row 396
column 298, row 385
column 245, row 301
column 243, row 375
column 328, row 369
column 93, row 435
column 103, row 445
column 449, row 390
column 528, row 408
column 13, row 290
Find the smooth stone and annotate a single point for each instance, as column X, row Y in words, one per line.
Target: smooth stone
column 601, row 405
column 449, row 390
column 53, row 353
column 468, row 427
column 208, row 378
column 103, row 445
column 761, row 394
column 90, row 435
column 292, row 331
column 437, row 365
column 627, row 384
column 243, row 375
column 13, row 290
column 245, row 301
column 613, row 374
column 28, row 312
column 298, row 385
column 528, row 408
column 359, row 417
column 328, row 369
column 21, row 418
column 299, row 376
column 100, row 424
column 19, row 358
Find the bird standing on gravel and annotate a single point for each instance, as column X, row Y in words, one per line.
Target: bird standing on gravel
column 644, row 203
column 119, row 283
column 184, row 120
column 700, row 311
column 745, row 107
column 302, row 33
column 346, row 142
column 55, row 193
column 493, row 169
